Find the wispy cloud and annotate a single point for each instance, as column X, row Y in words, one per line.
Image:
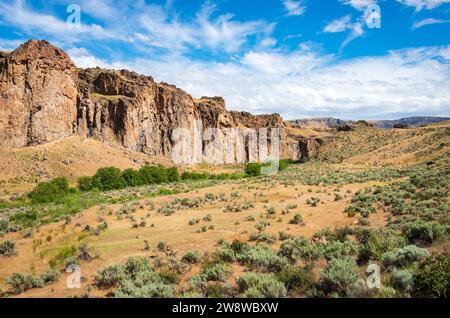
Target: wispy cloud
column 20, row 15
column 429, row 21
column 294, row 8
column 339, row 25
column 360, row 5
column 309, row 83
column 357, row 30
column 423, row 4
column 343, row 24
column 140, row 24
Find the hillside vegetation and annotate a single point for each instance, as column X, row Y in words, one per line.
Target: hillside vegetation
column 369, row 196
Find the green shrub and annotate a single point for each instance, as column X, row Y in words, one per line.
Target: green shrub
column 216, row 272
column 50, row 276
column 50, row 191
column 404, row 256
column 63, row 255
column 253, row 285
column 152, row 288
column 299, row 248
column 337, row 249
column 374, row 243
column 85, row 184
column 297, row 219
column 296, row 278
column 191, row 257
column 225, row 254
column 172, row 174
column 262, row 257
column 216, row 290
column 263, row 237
column 8, row 248
column 194, row 176
column 421, row 231
column 132, row 178
column 109, row 178
column 339, row 275
column 253, row 169
column 432, row 276
column 154, row 175
column 110, row 276
column 21, row 283
column 402, row 280
column 283, row 164
column 137, row 279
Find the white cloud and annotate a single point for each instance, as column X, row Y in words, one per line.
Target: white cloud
column 357, row 30
column 338, row 25
column 20, row 15
column 141, row 24
column 422, row 23
column 423, row 4
column 307, row 83
column 360, row 5
column 9, row 45
column 294, row 8
column 84, row 59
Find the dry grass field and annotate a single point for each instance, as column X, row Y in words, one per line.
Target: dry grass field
column 161, row 225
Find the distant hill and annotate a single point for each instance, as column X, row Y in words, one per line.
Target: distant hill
column 328, row 122
column 331, row 122
column 410, row 121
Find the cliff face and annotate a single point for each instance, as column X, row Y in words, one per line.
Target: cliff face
column 132, row 110
column 45, row 98
column 38, row 95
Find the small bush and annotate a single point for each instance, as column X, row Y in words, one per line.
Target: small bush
column 110, row 276
column 299, row 248
column 50, row 191
column 263, row 258
column 373, row 244
column 432, row 276
column 8, row 248
column 404, row 256
column 191, row 257
column 263, row 238
column 21, row 283
column 402, row 280
column 50, row 276
column 253, row 169
column 253, row 285
column 421, row 231
column 216, row 272
column 339, row 275
column 297, row 219
column 296, row 278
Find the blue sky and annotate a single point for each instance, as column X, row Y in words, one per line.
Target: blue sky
column 300, row 58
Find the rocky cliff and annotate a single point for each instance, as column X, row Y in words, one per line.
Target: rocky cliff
column 38, row 95
column 45, row 98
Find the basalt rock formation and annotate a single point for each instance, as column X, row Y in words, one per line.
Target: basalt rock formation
column 38, row 95
column 44, row 97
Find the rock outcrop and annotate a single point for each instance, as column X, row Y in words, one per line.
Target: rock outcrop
column 45, row 98
column 132, row 110
column 38, row 95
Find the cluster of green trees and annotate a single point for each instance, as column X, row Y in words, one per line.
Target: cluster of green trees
column 253, row 169
column 112, row 178
column 50, row 191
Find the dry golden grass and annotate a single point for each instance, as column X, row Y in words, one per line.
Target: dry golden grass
column 121, row 241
